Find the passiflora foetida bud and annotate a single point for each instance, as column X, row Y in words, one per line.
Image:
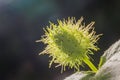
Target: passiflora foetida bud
column 70, row 43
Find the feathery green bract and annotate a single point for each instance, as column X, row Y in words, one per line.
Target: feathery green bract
column 102, row 61
column 70, row 42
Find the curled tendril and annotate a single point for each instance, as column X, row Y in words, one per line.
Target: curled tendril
column 69, row 43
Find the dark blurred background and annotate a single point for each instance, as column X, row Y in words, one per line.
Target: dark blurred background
column 22, row 22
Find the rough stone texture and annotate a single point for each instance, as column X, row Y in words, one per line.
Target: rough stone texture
column 76, row 76
column 114, row 49
column 110, row 69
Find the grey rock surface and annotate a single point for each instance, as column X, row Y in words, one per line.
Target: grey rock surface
column 114, row 49
column 110, row 70
column 76, row 76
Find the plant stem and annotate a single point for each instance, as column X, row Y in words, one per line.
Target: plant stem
column 91, row 65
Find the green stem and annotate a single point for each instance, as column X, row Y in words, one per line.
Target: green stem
column 91, row 65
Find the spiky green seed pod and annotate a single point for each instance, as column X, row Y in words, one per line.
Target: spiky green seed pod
column 70, row 42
